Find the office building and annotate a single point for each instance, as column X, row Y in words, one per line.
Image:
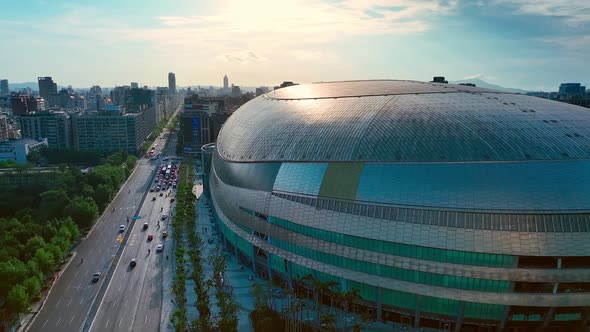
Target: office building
column 46, row 87
column 172, row 83
column 446, row 206
column 108, row 131
column 4, row 90
column 235, row 91
column 119, row 95
column 53, row 125
column 3, row 128
column 195, row 123
column 572, row 89
column 18, row 150
column 23, row 104
column 225, row 83
column 261, row 90
column 134, row 85
column 439, row 79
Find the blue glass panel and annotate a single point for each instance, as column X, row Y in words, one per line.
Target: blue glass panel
column 304, row 178
column 557, row 185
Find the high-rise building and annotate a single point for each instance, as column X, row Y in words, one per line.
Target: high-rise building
column 46, row 87
column 23, row 104
column 172, row 83
column 261, row 90
column 235, row 91
column 572, row 89
column 4, row 90
column 108, row 131
column 119, row 95
column 225, row 82
column 195, row 121
column 134, row 85
column 55, row 126
column 399, row 190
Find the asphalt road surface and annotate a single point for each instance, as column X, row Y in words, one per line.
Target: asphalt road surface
column 73, row 293
column 133, row 300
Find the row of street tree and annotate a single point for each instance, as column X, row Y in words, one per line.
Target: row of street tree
column 43, row 215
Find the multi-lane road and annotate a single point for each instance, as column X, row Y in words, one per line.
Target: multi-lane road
column 133, row 300
column 129, row 294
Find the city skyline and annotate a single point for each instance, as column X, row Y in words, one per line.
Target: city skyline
column 521, row 43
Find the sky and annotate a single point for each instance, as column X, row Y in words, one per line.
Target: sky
column 528, row 44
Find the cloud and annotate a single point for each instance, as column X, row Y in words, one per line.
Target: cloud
column 573, row 12
column 574, row 43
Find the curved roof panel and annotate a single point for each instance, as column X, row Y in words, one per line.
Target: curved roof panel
column 402, row 121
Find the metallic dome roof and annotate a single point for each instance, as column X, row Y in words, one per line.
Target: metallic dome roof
column 403, row 121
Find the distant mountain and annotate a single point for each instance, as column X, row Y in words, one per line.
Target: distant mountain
column 483, row 84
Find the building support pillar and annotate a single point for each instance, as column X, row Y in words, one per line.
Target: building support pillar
column 289, row 273
column 459, row 320
column 417, row 312
column 502, row 324
column 379, row 303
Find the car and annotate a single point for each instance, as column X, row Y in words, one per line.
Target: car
column 121, row 228
column 161, row 194
column 158, row 188
column 154, row 198
column 132, row 262
column 152, row 189
column 96, row 277
column 157, row 180
column 164, row 217
column 159, row 248
column 150, row 237
column 145, row 225
column 164, row 234
column 172, row 200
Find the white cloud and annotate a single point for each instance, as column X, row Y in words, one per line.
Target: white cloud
column 574, row 12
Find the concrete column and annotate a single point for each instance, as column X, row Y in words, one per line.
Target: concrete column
column 253, row 257
column 502, row 325
column 289, row 273
column 547, row 318
column 269, row 267
column 459, row 320
column 379, row 303
column 417, row 312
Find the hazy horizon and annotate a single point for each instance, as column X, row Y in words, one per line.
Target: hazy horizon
column 525, row 44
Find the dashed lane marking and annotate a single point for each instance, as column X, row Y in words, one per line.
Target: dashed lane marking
column 59, row 320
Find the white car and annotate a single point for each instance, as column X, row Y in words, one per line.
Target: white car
column 159, row 248
column 164, row 217
column 122, row 228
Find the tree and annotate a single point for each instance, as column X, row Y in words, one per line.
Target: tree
column 33, row 286
column 102, row 195
column 32, row 245
column 18, row 299
column 327, row 322
column 11, row 272
column 82, row 211
column 53, row 203
column 44, row 260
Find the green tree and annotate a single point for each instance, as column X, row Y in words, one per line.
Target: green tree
column 102, row 195
column 44, row 260
column 82, row 211
column 12, row 272
column 53, row 203
column 32, row 245
column 18, row 299
column 33, row 286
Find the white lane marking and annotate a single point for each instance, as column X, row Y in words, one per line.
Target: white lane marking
column 76, row 273
column 81, row 300
column 114, row 302
column 120, row 320
column 71, row 320
column 145, row 321
column 108, row 320
column 125, row 304
column 59, row 320
column 70, row 301
column 121, row 286
column 45, row 323
column 58, row 302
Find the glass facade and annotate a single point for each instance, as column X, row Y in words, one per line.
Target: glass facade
column 399, row 249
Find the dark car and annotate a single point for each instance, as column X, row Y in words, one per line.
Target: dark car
column 133, row 262
column 145, row 225
column 96, row 277
column 150, row 237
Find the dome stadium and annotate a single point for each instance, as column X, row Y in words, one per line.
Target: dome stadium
column 446, row 206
